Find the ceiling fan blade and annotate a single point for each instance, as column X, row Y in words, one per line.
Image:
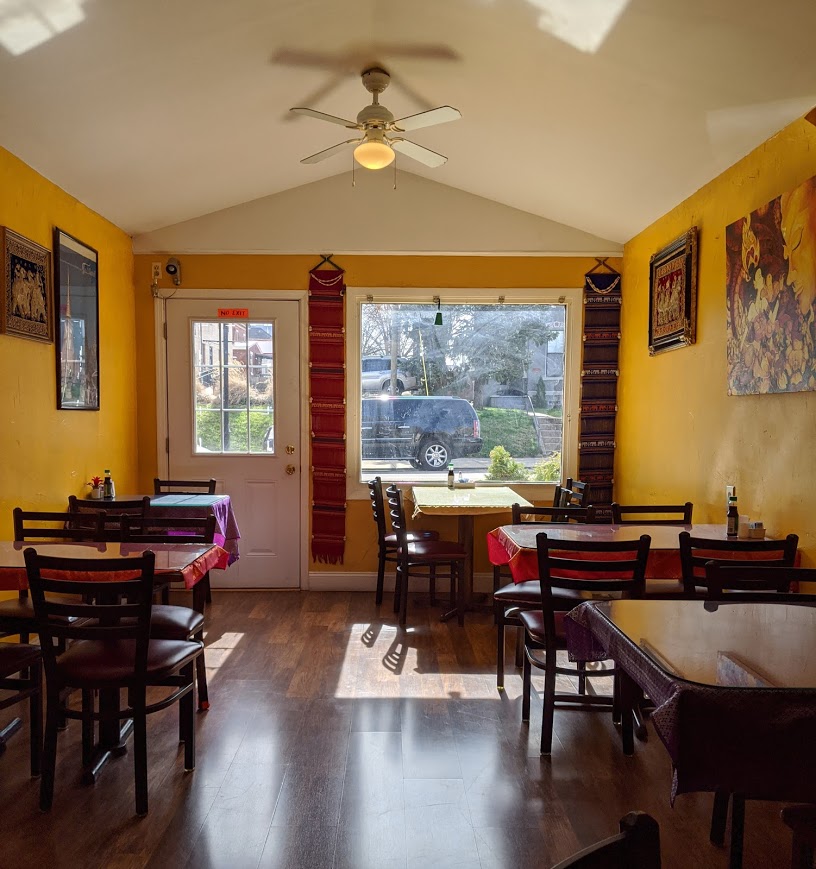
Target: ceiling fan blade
column 326, row 88
column 426, row 51
column 296, row 57
column 322, row 116
column 418, row 152
column 329, row 152
column 440, row 115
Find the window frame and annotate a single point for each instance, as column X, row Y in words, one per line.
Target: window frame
column 571, row 298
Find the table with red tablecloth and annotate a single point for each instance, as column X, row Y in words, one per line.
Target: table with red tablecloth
column 515, row 545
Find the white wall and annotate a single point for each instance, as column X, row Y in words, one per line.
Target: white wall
column 420, row 216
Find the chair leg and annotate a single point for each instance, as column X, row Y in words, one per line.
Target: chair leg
column 519, row 647
column 526, row 678
column 404, row 598
column 49, row 758
column 737, row 830
column 187, row 713
column 719, row 815
column 581, row 667
column 397, row 588
column 459, row 569
column 140, row 752
column 432, row 583
column 201, row 676
column 165, row 594
column 616, row 699
column 380, row 577
column 500, row 653
column 35, row 723
column 87, row 726
column 207, row 588
column 548, row 714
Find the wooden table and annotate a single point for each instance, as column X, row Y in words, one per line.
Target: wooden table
column 734, row 688
column 183, row 562
column 190, row 506
column 465, row 504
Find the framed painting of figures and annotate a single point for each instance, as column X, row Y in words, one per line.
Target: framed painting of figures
column 27, row 309
column 673, row 294
column 771, row 296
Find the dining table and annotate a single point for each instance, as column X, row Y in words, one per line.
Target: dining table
column 185, row 505
column 465, row 504
column 188, row 563
column 733, row 686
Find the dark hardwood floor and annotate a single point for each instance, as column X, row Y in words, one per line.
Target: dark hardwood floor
column 337, row 740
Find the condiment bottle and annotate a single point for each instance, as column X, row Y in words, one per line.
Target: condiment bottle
column 732, row 519
column 451, row 477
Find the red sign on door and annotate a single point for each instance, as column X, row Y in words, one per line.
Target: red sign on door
column 234, row 313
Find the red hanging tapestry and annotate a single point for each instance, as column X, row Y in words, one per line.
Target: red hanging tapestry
column 327, row 391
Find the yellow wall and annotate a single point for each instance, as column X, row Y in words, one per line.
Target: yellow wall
column 231, row 272
column 47, row 454
column 680, row 436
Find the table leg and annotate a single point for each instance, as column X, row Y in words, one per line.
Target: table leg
column 200, row 596
column 112, row 736
column 628, row 698
column 8, row 731
column 465, row 584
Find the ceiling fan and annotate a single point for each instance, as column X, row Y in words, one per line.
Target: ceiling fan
column 381, row 132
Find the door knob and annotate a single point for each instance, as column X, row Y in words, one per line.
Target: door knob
column 290, row 448
column 290, row 469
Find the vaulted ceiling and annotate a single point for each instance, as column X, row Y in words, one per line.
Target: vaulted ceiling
column 599, row 114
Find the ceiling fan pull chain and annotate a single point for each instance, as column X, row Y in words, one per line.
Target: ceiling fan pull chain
column 353, row 182
column 395, row 171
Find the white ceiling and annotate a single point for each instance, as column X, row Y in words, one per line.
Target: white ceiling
column 154, row 112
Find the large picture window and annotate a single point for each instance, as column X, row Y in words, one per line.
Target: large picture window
column 479, row 386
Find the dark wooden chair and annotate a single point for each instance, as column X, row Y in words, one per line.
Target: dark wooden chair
column 652, row 514
column 510, row 599
column 17, row 615
column 696, row 552
column 610, row 568
column 21, row 674
column 637, row 846
column 169, row 622
column 111, row 650
column 113, row 510
column 574, row 493
column 423, row 554
column 387, row 544
column 185, row 487
column 802, row 822
column 750, row 582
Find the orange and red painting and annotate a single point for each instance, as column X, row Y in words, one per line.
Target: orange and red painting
column 771, row 304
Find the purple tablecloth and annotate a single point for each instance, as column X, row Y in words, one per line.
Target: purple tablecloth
column 227, row 534
column 755, row 741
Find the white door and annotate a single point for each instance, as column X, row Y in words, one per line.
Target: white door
column 233, row 387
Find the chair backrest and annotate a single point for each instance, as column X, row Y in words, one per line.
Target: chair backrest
column 637, row 846
column 396, row 511
column 593, row 566
column 527, row 515
column 755, row 583
column 188, row 487
column 678, row 514
column 28, row 525
column 167, row 530
column 573, row 493
column 114, row 510
column 696, row 552
column 105, row 599
column 375, row 493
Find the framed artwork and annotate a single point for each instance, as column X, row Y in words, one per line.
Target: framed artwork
column 76, row 323
column 770, row 267
column 673, row 294
column 28, row 300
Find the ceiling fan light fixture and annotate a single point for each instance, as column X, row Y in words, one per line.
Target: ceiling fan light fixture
column 374, row 155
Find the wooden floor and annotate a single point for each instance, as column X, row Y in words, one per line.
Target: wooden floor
column 337, row 740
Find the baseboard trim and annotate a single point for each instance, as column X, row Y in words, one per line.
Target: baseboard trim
column 330, row 580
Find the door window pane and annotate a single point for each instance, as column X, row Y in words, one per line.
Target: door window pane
column 233, row 367
column 483, row 389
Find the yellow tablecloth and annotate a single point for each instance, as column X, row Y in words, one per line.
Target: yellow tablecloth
column 441, row 501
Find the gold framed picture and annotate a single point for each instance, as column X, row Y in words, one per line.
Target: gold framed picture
column 28, row 296
column 673, row 294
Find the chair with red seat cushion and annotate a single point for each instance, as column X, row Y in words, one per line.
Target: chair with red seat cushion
column 423, row 554
column 170, row 622
column 577, row 566
column 509, row 600
column 387, row 544
column 108, row 623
